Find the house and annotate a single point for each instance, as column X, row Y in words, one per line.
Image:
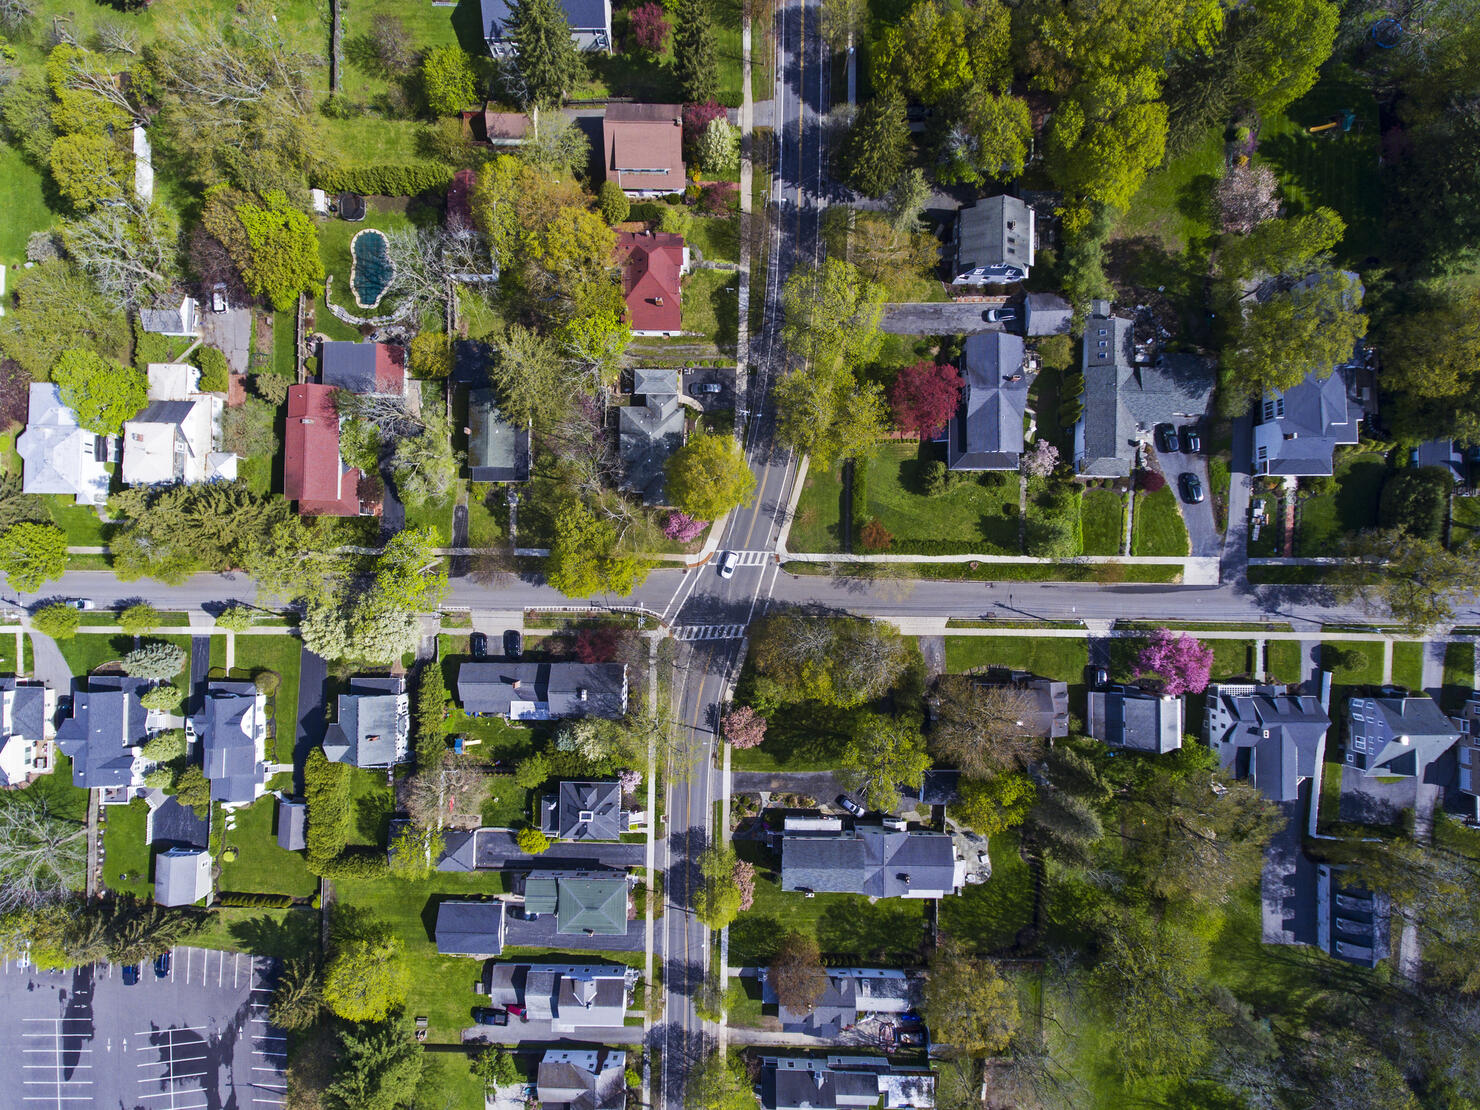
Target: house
column 851, row 995
column 1046, row 709
column 590, row 25
column 583, row 903
column 1441, row 453
column 183, row 321
column 58, row 456
column 182, row 876
column 584, row 811
column 582, row 1079
column 489, row 126
column 103, row 736
column 1296, row 432
column 872, row 860
column 1136, row 719
column 986, row 433
column 653, row 264
column 373, row 728
column 642, row 148
column 497, row 450
column 648, row 433
column 314, row 473
column 835, row 1082
column 1353, row 923
column 26, row 711
column 543, row 691
column 1397, row 736
column 994, row 242
column 572, row 998
column 292, row 823
column 1265, row 735
column 1046, row 314
column 470, row 929
column 365, row 367
column 232, row 727
column 174, row 438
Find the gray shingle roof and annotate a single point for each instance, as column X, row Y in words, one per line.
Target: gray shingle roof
column 292, row 824
column 1128, row 717
column 58, row 456
column 470, row 928
column 1296, row 432
column 850, row 993
column 582, row 15
column 1047, row 314
column 348, row 365
column 647, row 435
column 545, row 690
column 1397, row 736
column 1263, row 734
column 986, row 433
column 574, row 996
column 994, row 240
column 497, row 451
column 582, row 901
column 585, row 811
column 182, row 876
column 582, row 1079
column 868, row 859
column 373, row 729
column 227, row 725
column 27, row 708
column 107, row 722
column 834, row 1082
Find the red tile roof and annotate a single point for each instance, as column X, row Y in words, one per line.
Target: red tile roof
column 313, row 473
column 390, row 368
column 651, row 264
column 643, row 145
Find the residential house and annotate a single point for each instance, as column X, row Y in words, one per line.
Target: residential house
column 292, row 825
column 986, row 433
column 584, row 811
column 836, row 1082
column 1354, row 924
column 59, row 456
column 314, row 473
column 1397, row 736
column 650, row 432
column 852, row 994
column 653, row 264
column 572, row 998
column 497, row 450
column 1441, row 453
column 470, row 929
column 232, row 727
column 1296, row 432
column 365, row 367
column 488, row 125
column 642, row 148
column 582, row 1079
column 1045, row 702
column 994, row 242
column 872, row 860
column 174, row 438
column 1046, row 314
column 26, row 711
column 182, row 321
column 182, row 876
column 582, row 902
column 1266, row 735
column 590, row 25
column 1125, row 399
column 543, row 691
column 373, row 728
column 103, row 736
column 1136, row 719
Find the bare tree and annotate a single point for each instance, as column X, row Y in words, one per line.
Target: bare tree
column 129, row 249
column 41, row 853
column 387, row 411
column 1246, row 197
column 430, row 262
column 982, row 728
column 14, row 15
column 90, row 73
column 113, row 37
column 391, row 41
column 200, row 61
column 61, row 32
column 456, row 787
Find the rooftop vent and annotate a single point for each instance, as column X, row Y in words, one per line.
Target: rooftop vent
column 580, row 693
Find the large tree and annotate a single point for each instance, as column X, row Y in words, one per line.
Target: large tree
column 424, row 465
column 43, row 849
column 272, row 242
column 447, row 80
column 994, row 805
column 89, row 169
column 982, row 728
column 366, row 977
column 379, row 1066
column 1416, row 580
column 32, row 555
column 102, row 394
column 796, row 974
column 875, row 151
column 708, row 476
column 716, row 897
column 924, row 398
column 970, row 1009
column 545, row 63
column 833, row 315
column 129, row 249
column 584, row 558
column 694, row 56
column 883, row 754
column 842, row 661
column 1431, row 363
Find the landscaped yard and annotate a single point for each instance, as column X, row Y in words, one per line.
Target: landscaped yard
column 1459, row 675
column 263, row 932
column 507, row 804
column 1364, row 669
column 23, row 186
column 86, row 652
column 1285, row 661
column 261, row 867
column 711, row 307
column 815, row 528
column 255, row 654
column 1231, row 658
column 1324, row 519
column 807, row 736
column 371, row 804
column 976, row 515
column 988, row 916
column 7, row 651
column 1157, row 528
column 1059, row 657
column 1408, row 664
column 1102, row 518
column 126, row 854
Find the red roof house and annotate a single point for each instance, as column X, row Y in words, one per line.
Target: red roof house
column 313, row 473
column 653, row 264
column 363, row 367
column 642, row 145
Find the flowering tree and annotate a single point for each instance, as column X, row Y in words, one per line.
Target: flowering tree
column 596, row 645
column 1182, row 663
column 744, row 727
column 1039, row 462
column 649, row 27
column 682, row 527
column 924, row 396
column 745, row 883
column 696, row 118
column 1246, row 198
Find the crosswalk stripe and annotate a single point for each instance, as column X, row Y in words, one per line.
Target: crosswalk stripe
column 709, row 632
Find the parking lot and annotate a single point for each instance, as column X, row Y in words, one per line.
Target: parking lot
column 196, row 1039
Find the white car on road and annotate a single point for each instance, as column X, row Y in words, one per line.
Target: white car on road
column 727, row 564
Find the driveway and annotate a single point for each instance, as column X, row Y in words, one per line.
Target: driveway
column 231, row 333
column 709, row 400
column 1202, row 526
column 200, row 669
column 937, row 318
column 49, row 665
column 497, row 850
column 313, row 679
column 542, row 1033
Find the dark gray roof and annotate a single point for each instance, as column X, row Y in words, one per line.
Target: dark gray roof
column 165, row 412
column 647, row 435
column 582, row 1079
column 348, row 365
column 654, row 383
column 546, row 690
column 107, row 722
column 27, row 708
column 228, row 749
column 878, row 862
column 573, row 996
column 1296, row 432
column 373, row 728
column 1263, row 734
column 1441, row 453
column 1128, row 717
column 834, row 1082
column 994, row 240
column 172, row 825
column 1047, row 314
column 987, row 431
column 292, row 821
column 1354, row 923
column 583, row 15
column 585, row 811
column 497, row 450
column 1396, row 735
column 470, row 928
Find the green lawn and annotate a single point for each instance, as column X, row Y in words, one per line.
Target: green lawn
column 1231, row 658
column 815, row 528
column 255, row 654
column 971, row 517
column 716, row 237
column 1459, row 675
column 1367, row 672
column 631, row 72
column 126, row 854
column 284, row 355
column 1160, row 210
column 1102, row 517
column 1408, row 664
column 507, row 804
column 7, row 652
column 435, row 514
column 1284, row 661
column 711, row 307
column 334, row 250
column 261, row 867
column 806, row 736
column 447, row 1079
column 82, row 524
column 23, row 187
column 989, row 916
column 262, row 932
column 87, row 652
column 1324, row 519
column 1157, row 528
column 371, row 803
column 487, row 515
column 1062, row 658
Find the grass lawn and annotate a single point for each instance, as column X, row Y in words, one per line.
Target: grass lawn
column 447, row 1079
column 261, row 867
column 435, row 514
column 82, row 524
column 126, row 854
column 255, row 654
column 1157, row 528
column 1408, row 664
column 284, row 354
column 1102, row 518
column 1464, row 520
column 816, row 526
column 711, row 307
column 485, row 525
column 1459, row 676
column 1323, row 520
column 968, row 518
column 989, row 916
column 7, row 651
column 1367, row 671
column 1285, row 662
column 1062, row 658
column 1171, row 206
column 87, row 652
column 1231, row 658
column 717, row 237
column 805, row 736
column 372, row 802
column 24, row 189
column 507, row 803
column 334, row 250
column 262, row 932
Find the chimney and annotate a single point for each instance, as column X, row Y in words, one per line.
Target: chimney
column 658, row 301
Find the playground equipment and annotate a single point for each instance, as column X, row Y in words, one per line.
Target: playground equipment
column 1346, row 119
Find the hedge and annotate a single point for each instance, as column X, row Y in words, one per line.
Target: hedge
column 326, row 791
column 859, row 494
column 276, row 901
column 392, row 180
column 366, row 863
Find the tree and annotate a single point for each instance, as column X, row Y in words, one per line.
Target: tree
column 833, row 314
column 58, row 620
column 424, row 466
column 1431, row 361
column 1416, row 579
column 968, row 1006
column 532, row 772
column 102, row 394
column 236, row 618
column 743, row 727
column 708, row 476
column 272, row 388
column 716, row 897
column 1183, row 663
column 43, row 854
column 796, row 974
column 297, row 1001
column 494, row 1065
column 415, row 851
column 165, row 747
column 1287, row 248
column 842, row 661
column 715, row 1085
column 1416, row 499
column 273, row 244
column 156, row 660
column 994, row 805
column 326, row 791
column 840, row 21
column 429, row 718
column 907, row 200
column 1100, row 144
column 358, row 626
column 718, row 148
column 980, row 727
column 215, row 371
column 1246, row 196
column 380, row 1067
column 447, row 80
column 649, row 27
column 612, row 201
column 129, row 249
column 682, row 527
column 166, row 699
column 1041, row 460
column 88, row 169
column 924, row 398
column 32, row 554
column 193, row 789
column 875, row 150
column 367, row 976
column 545, row 60
column 883, row 753
column 138, row 619
column 584, row 559
column 1063, row 826
column 430, row 355
column 982, row 137
column 532, row 841
column 56, row 306
column 695, row 61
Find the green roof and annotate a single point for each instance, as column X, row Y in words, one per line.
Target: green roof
column 598, row 905
column 539, row 895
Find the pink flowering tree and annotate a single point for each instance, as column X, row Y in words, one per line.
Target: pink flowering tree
column 1039, row 462
column 649, row 27
column 682, row 527
column 629, row 781
column 745, row 883
column 744, row 727
column 1183, row 664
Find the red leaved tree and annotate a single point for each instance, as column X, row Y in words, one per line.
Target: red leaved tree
column 649, row 27
column 875, row 536
column 744, row 727
column 696, row 118
column 924, row 397
column 1181, row 662
column 596, row 645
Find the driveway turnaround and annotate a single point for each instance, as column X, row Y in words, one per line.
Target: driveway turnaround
column 197, row 1039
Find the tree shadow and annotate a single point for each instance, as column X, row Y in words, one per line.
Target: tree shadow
column 296, row 933
column 755, row 940
column 373, row 816
column 892, row 930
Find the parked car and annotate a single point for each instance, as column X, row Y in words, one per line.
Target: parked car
column 1191, row 440
column 1000, row 315
column 487, row 1015
column 218, row 297
column 81, row 603
column 1192, row 491
column 1166, row 439
column 728, row 563
column 478, row 645
column 513, row 643
column 1099, row 677
column 709, row 387
column 130, row 974
column 162, row 966
column 850, row 805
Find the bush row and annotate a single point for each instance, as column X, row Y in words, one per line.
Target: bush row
column 858, row 492
column 389, row 180
column 357, row 863
column 230, row 898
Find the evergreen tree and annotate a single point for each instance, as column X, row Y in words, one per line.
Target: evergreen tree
column 875, row 152
column 694, row 52
column 545, row 59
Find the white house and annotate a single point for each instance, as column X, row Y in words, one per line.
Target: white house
column 57, row 455
column 173, row 439
column 183, row 321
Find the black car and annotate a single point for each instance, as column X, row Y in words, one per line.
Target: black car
column 1192, row 491
column 850, row 805
column 1099, row 677
column 1166, row 438
column 130, row 974
column 162, row 966
column 513, row 643
column 1191, row 440
column 478, row 645
column 486, row 1015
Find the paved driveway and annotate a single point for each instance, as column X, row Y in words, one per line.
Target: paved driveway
column 1202, row 526
column 936, row 318
column 497, row 849
column 231, row 332
column 313, row 678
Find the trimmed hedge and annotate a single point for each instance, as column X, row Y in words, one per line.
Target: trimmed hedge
column 859, row 494
column 275, row 901
column 391, row 180
column 357, row 863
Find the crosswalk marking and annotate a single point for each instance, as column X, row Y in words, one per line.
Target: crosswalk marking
column 709, row 632
column 751, row 558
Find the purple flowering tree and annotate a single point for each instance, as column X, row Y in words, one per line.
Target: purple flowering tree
column 1183, row 664
column 682, row 527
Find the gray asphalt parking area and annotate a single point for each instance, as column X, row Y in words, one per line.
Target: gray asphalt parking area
column 938, row 318
column 198, row 1039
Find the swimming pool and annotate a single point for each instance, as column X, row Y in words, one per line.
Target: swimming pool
column 372, row 270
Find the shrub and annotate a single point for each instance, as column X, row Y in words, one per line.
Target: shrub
column 272, row 388
column 613, row 203
column 875, row 536
column 166, row 699
column 858, row 490
column 369, row 863
column 532, row 841
column 156, row 660
column 1152, row 480
column 387, row 180
column 149, row 347
column 166, row 747
column 1346, row 659
column 138, row 619
column 215, row 372
column 1416, row 501
column 676, row 220
column 326, row 790
column 272, row 901
column 267, row 682
column 59, row 621
column 936, row 478
column 236, row 618
column 1057, row 352
column 430, row 355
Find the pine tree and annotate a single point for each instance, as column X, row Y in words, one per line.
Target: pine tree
column 694, row 52
column 545, row 59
